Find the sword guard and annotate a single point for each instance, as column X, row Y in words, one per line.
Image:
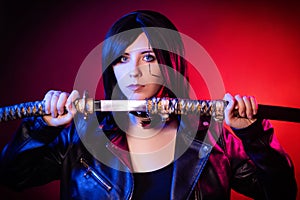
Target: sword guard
column 84, row 105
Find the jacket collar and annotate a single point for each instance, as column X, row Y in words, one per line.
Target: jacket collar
column 187, row 167
column 191, row 155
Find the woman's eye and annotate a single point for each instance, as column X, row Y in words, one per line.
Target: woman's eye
column 123, row 59
column 148, row 58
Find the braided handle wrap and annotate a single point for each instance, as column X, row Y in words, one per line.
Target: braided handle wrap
column 22, row 110
column 167, row 106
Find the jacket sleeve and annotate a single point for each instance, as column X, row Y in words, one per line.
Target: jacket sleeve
column 33, row 156
column 274, row 168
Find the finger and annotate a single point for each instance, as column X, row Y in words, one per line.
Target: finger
column 229, row 98
column 254, row 105
column 53, row 104
column 47, row 100
column 70, row 102
column 249, row 111
column 62, row 102
column 241, row 105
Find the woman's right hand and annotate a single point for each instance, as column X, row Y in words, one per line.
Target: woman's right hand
column 56, row 102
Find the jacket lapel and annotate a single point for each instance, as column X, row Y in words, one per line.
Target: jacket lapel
column 188, row 166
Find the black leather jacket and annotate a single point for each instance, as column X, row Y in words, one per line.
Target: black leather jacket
column 253, row 164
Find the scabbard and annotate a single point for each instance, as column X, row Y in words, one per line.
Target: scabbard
column 279, row 113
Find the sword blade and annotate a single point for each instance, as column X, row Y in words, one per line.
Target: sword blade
column 120, row 105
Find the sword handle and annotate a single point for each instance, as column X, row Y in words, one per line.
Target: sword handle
column 37, row 108
column 22, row 110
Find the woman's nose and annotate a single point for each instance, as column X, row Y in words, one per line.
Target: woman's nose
column 135, row 71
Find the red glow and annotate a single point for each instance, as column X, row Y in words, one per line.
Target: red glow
column 256, row 47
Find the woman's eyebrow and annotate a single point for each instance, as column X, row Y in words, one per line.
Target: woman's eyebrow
column 141, row 50
column 147, row 51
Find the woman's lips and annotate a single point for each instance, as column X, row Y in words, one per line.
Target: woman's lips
column 135, row 87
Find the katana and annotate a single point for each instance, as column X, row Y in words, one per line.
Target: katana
column 87, row 106
column 162, row 106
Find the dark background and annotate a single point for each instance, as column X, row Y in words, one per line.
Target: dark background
column 255, row 44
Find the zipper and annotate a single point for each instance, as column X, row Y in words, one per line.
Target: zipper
column 198, row 194
column 110, row 147
column 91, row 171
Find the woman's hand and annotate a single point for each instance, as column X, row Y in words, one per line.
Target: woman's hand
column 246, row 107
column 56, row 102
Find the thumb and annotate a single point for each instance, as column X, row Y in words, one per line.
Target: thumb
column 70, row 107
column 70, row 103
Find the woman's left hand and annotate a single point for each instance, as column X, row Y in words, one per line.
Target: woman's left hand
column 246, row 107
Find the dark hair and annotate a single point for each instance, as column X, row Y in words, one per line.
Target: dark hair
column 161, row 33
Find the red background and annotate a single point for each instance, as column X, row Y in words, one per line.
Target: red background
column 255, row 44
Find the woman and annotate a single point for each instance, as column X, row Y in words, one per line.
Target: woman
column 137, row 156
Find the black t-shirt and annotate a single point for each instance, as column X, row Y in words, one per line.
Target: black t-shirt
column 153, row 185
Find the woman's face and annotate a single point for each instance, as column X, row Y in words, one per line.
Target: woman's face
column 137, row 71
